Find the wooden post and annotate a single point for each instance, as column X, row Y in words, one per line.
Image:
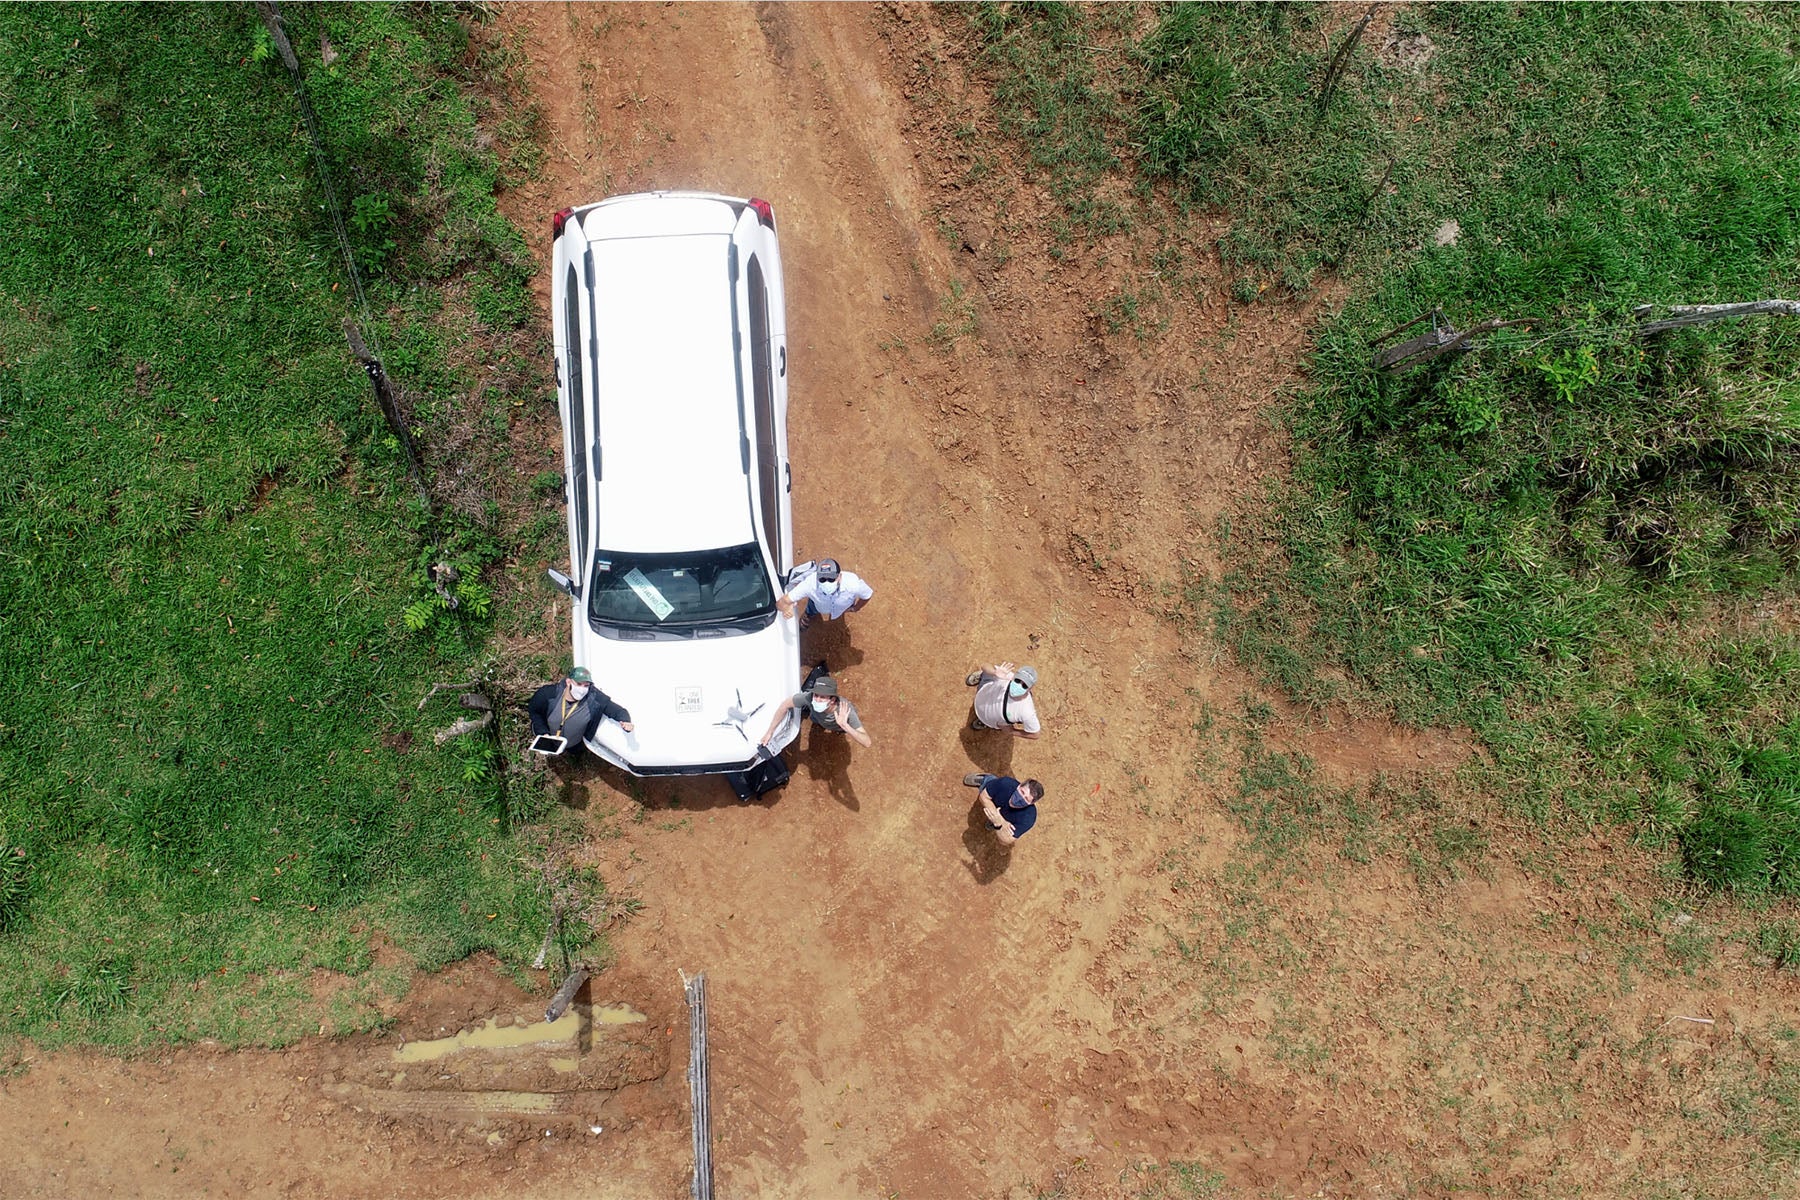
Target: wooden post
column 390, row 404
column 565, row 995
column 1682, row 315
column 271, row 18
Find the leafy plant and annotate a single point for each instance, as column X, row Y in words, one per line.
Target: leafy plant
column 1570, row 372
column 371, row 217
column 475, row 753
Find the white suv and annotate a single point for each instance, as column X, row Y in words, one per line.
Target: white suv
column 671, row 361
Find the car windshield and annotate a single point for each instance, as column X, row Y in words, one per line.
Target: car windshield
column 680, row 589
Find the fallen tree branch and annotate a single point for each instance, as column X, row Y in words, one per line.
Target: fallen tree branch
column 1342, row 58
column 559, row 1003
column 461, row 727
column 1683, row 315
column 440, row 687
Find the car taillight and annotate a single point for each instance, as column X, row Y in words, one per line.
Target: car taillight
column 558, row 220
column 764, row 213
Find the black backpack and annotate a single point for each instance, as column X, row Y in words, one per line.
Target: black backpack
column 768, row 773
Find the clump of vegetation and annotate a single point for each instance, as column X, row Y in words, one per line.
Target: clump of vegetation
column 1052, row 94
column 212, row 775
column 1501, row 540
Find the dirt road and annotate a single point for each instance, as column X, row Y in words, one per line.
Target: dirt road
column 899, row 1010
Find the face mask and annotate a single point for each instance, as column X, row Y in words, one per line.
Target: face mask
column 1015, row 690
column 578, row 691
column 828, row 589
column 820, row 704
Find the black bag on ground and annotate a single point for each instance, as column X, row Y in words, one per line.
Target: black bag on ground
column 768, row 774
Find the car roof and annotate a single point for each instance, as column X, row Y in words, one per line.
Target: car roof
column 672, row 469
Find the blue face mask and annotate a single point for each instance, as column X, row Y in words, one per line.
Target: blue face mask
column 1016, row 690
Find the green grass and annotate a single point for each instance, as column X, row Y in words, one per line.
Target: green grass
column 1502, row 541
column 1550, row 539
column 213, row 778
column 1284, row 808
column 1055, row 95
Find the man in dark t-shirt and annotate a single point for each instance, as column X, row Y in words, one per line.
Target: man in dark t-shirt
column 819, row 702
column 1010, row 806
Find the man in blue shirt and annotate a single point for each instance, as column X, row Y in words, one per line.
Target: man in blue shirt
column 1010, row 806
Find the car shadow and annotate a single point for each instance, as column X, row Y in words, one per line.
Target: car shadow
column 988, row 859
column 579, row 773
column 827, row 759
column 991, row 750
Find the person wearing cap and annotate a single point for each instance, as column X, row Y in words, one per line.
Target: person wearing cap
column 571, row 708
column 830, row 591
column 1003, row 699
column 818, row 699
column 1010, row 806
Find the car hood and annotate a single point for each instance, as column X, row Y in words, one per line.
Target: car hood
column 695, row 702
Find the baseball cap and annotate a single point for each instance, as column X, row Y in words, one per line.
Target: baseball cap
column 824, row 685
column 828, row 570
column 1027, row 676
column 581, row 675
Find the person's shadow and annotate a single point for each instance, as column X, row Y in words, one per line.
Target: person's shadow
column 827, row 758
column 988, row 858
column 991, row 750
column 829, row 640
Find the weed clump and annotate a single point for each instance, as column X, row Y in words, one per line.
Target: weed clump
column 1728, row 847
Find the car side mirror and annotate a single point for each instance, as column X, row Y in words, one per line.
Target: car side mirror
column 563, row 583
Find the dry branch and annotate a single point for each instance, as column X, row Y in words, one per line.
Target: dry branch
column 1683, row 315
column 1342, row 58
column 439, row 687
column 461, row 727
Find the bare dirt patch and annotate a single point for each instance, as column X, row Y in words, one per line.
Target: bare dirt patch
column 899, row 1009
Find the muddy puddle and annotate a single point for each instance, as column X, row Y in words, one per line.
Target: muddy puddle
column 492, row 1035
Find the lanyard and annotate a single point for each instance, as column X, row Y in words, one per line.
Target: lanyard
column 568, row 709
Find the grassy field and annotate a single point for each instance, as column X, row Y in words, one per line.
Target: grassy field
column 214, row 780
column 1579, row 543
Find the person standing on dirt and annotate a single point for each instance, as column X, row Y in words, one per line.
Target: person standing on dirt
column 573, row 707
column 1010, row 806
column 828, row 590
column 1003, row 699
column 818, row 699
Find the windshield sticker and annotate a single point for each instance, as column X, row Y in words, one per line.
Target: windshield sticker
column 646, row 591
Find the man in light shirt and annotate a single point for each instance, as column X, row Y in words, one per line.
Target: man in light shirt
column 1003, row 699
column 827, row 590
